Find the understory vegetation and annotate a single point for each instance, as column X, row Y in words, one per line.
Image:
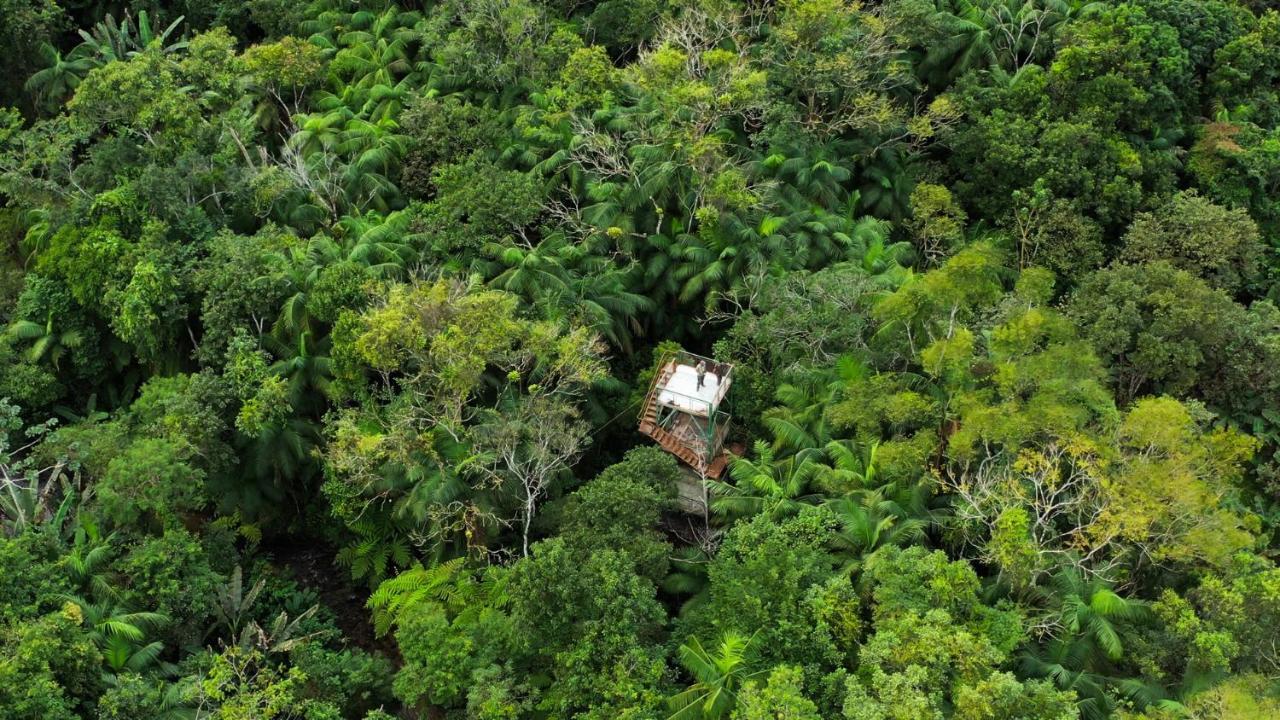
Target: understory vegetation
column 325, row 328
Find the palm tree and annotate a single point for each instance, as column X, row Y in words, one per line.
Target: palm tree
column 375, row 52
column 605, row 302
column 885, row 184
column 87, row 560
column 121, row 635
column 1091, row 610
column 378, row 47
column 535, row 273
column 966, row 42
column 60, row 76
column 1090, row 620
column 717, row 677
column 765, row 485
column 121, row 655
column 888, row 263
column 434, row 477
column 277, row 464
column 295, row 269
column 322, row 131
column 374, row 150
column 688, row 577
column 47, row 341
column 849, row 466
column 869, row 523
column 383, row 244
column 307, row 368
column 815, row 174
column 570, row 283
column 1006, row 34
column 799, row 425
column 717, row 263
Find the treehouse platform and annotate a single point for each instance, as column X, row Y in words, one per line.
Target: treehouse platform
column 682, row 413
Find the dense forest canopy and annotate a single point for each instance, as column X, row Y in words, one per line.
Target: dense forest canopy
column 327, row 326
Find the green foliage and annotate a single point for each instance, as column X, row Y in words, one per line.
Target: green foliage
column 622, row 507
column 133, row 696
column 781, row 697
column 1220, row 245
column 30, row 585
column 928, row 305
column 1002, row 696
column 151, row 482
column 1249, row 696
column 149, row 308
column 26, row 26
column 351, row 681
column 51, row 669
column 1196, row 468
column 48, row 330
column 937, row 223
column 1236, row 165
column 936, row 646
column 773, row 579
column 1244, row 69
column 719, row 674
column 593, row 624
column 285, row 68
column 437, row 661
column 239, row 685
column 172, row 574
column 377, row 282
column 430, row 460
column 1163, row 330
column 798, row 320
column 1220, row 625
column 443, row 131
column 1117, row 72
column 142, row 95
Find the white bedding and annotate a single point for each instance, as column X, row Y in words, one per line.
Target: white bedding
column 682, row 391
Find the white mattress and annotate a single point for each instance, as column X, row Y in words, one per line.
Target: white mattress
column 682, row 391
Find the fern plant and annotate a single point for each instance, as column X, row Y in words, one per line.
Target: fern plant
column 376, row 551
column 462, row 592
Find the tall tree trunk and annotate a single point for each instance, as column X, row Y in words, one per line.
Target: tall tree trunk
column 528, row 520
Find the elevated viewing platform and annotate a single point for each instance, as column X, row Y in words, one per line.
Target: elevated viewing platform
column 682, row 410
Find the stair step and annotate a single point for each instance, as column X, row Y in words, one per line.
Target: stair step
column 718, row 465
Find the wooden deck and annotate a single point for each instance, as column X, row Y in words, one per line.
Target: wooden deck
column 682, row 440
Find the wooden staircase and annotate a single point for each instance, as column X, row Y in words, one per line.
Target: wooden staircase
column 669, row 441
column 717, row 466
column 649, row 412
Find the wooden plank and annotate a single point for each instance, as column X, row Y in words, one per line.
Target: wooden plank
column 717, row 466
